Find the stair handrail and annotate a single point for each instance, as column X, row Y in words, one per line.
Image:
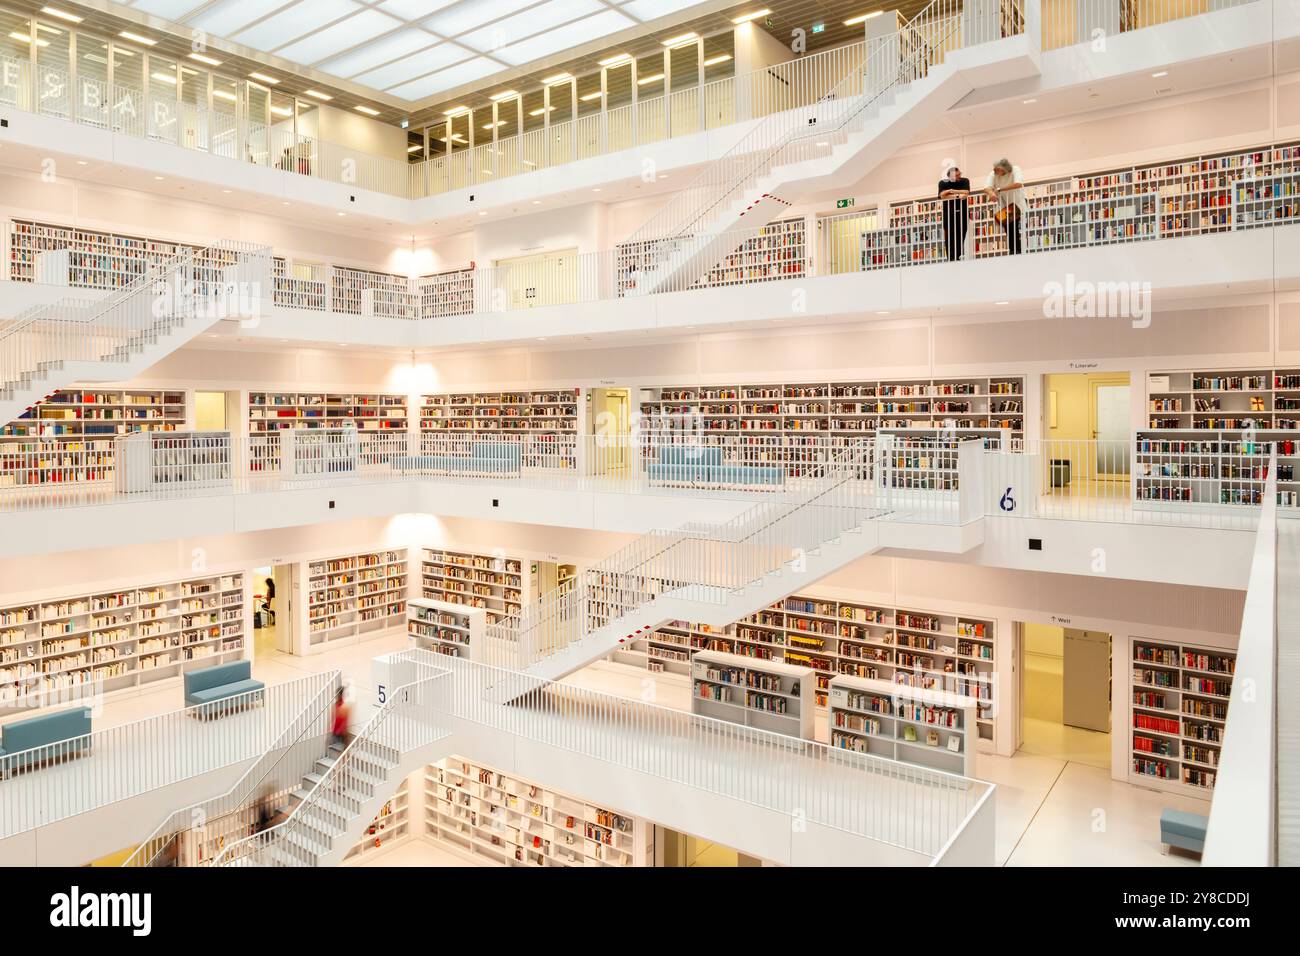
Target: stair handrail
column 336, row 776
column 249, row 783
column 760, row 147
column 574, row 607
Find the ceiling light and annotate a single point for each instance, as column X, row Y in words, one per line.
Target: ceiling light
column 325, row 97
column 503, row 95
column 529, row 162
column 596, row 190
column 483, row 214
column 649, row 79
column 455, row 111
column 342, row 214
column 136, row 38
column 62, row 15
column 720, row 58
column 540, row 110
column 24, row 38
column 591, row 96
column 282, row 110
column 367, row 110
column 159, row 178
column 882, row 312
column 226, row 191
column 557, row 78
column 82, row 162
column 414, row 149
column 225, row 95
column 1027, row 102
column 617, row 58
column 263, row 78
column 854, row 21
column 746, row 17
column 210, row 61
column 1002, row 302
column 163, row 78
column 537, row 202
column 1156, row 76
column 679, row 40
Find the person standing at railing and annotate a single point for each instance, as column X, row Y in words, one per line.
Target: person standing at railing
column 1006, row 187
column 954, row 190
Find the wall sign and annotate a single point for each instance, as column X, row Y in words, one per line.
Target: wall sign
column 843, row 203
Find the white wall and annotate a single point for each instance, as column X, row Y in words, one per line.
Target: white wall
column 365, row 135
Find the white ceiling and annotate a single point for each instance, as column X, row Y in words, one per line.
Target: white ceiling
column 410, row 49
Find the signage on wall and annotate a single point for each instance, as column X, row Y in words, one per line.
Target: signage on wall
column 1008, row 501
column 1056, row 619
column 843, row 203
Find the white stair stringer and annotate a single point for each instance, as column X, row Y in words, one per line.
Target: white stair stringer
column 839, row 152
column 115, row 339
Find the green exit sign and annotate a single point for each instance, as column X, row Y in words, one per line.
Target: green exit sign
column 843, row 203
column 819, row 27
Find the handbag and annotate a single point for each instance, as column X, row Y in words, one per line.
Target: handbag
column 1007, row 214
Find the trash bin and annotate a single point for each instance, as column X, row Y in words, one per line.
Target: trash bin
column 1060, row 472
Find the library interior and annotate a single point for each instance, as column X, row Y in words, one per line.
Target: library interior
column 649, row 433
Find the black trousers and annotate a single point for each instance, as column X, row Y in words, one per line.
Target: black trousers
column 1012, row 226
column 954, row 238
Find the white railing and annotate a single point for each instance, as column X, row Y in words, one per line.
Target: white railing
column 50, row 783
column 1088, row 21
column 196, row 833
column 413, row 716
column 1242, row 829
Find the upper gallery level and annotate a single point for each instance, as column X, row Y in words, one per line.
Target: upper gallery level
column 666, row 101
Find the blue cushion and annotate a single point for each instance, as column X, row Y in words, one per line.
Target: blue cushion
column 45, row 729
column 748, row 475
column 508, row 453
column 217, row 676
column 688, row 473
column 210, row 694
column 704, row 456
column 1180, row 823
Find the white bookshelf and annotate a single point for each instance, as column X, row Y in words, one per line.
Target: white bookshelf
column 446, row 628
column 502, row 819
column 547, row 418
column 955, row 653
column 354, row 595
column 779, row 250
column 932, row 729
column 1179, row 708
column 764, row 694
column 390, row 827
column 495, row 584
column 119, row 639
column 376, row 416
column 446, row 294
column 161, row 461
column 313, row 452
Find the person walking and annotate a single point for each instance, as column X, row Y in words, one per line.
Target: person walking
column 1006, row 187
column 954, row 190
column 339, row 723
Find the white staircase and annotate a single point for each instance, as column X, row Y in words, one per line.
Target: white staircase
column 708, row 573
column 113, row 339
column 907, row 81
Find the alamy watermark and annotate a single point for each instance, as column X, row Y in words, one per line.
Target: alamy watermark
column 1085, row 299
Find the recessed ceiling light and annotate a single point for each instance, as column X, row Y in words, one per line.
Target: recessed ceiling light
column 82, row 162
column 720, row 58
column 882, row 312
column 284, row 203
column 1157, row 76
column 483, row 214
column 1027, row 102
column 540, row 110
column 325, row 97
column 557, row 78
column 24, row 38
column 342, row 214
column 226, row 191
column 159, row 178
column 61, row 14
column 454, row 111
column 503, row 95
column 414, row 149
column 746, row 17
column 854, row 21
column 590, row 96
column 210, row 61
column 654, row 78
column 541, row 338
column 367, row 110
column 136, row 38
column 263, row 78
column 537, row 202
column 679, row 40
column 596, row 190
column 617, row 58
column 225, row 95
column 282, row 110
column 1002, row 302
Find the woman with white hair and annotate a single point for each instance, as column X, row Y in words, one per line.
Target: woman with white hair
column 954, row 190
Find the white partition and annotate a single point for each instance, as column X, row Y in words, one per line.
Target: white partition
column 173, row 461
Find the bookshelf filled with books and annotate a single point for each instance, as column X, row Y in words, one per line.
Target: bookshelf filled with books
column 446, row 294
column 1178, row 706
column 390, row 827
column 954, row 653
column 928, row 728
column 95, row 260
column 106, row 641
column 778, row 250
column 547, row 419
column 354, row 595
column 380, row 420
column 794, row 424
column 505, row 820
column 493, row 583
column 764, row 694
column 445, row 628
column 71, row 436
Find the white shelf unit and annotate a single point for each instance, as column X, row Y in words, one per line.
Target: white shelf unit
column 502, row 819
column 778, row 251
column 390, row 827
column 495, row 584
column 935, row 651
column 377, row 417
column 793, row 424
column 928, row 728
column 548, row 418
column 1224, row 400
column 160, row 461
column 394, row 291
column 313, row 452
column 764, row 694
column 96, row 260
column 446, row 628
column 352, row 595
column 446, row 294
column 119, row 639
column 70, row 437
column 1266, row 200
column 1179, row 704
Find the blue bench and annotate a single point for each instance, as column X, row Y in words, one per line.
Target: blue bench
column 68, row 728
column 1182, row 829
column 484, row 458
column 213, row 685
column 704, row 465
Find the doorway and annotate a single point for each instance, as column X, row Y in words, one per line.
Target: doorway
column 1065, row 693
column 548, row 575
column 212, row 411
column 548, row 278
column 608, row 421
column 1089, row 427
column 676, row 849
column 273, row 622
